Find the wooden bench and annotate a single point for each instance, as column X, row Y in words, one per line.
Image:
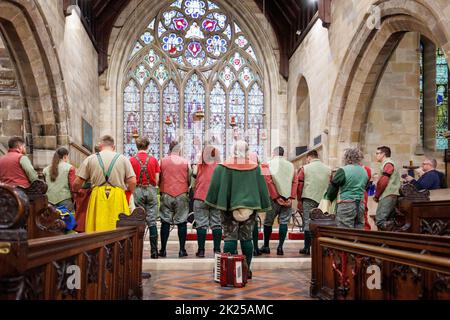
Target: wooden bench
column 424, row 212
column 411, row 266
column 109, row 263
column 43, row 220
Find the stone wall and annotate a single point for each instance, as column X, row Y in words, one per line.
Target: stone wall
column 342, row 66
column 393, row 119
column 57, row 66
column 11, row 101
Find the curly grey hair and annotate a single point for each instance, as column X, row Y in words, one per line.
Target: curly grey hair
column 353, row 156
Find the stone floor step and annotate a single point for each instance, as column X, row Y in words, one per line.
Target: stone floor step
column 207, row 264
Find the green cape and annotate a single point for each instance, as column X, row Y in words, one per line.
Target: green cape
column 235, row 189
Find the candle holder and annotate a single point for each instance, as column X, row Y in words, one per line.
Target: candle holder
column 135, row 134
column 233, row 123
column 168, row 121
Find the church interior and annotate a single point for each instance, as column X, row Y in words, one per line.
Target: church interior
column 302, row 77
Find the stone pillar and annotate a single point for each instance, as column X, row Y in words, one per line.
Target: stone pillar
column 447, row 158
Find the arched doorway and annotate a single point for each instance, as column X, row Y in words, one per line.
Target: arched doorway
column 364, row 65
column 40, row 114
column 302, row 128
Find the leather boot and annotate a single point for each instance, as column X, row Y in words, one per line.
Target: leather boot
column 154, row 247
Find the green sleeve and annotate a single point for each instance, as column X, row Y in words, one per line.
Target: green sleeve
column 28, row 168
column 333, row 188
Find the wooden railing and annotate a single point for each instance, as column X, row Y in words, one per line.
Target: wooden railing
column 103, row 265
column 417, row 214
column 345, row 265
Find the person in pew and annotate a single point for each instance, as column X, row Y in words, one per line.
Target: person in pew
column 282, row 185
column 206, row 216
column 313, row 181
column 431, row 179
column 147, row 170
column 111, row 174
column 388, row 190
column 16, row 169
column 174, row 188
column 60, row 178
column 239, row 190
column 348, row 186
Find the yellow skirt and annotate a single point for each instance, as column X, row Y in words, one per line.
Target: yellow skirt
column 103, row 212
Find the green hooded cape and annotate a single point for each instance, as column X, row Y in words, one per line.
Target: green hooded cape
column 232, row 189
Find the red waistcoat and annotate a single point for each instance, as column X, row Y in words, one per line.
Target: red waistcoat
column 174, row 176
column 204, row 176
column 11, row 171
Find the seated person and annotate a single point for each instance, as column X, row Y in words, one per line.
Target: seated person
column 431, row 179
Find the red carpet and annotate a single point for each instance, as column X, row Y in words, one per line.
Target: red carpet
column 275, row 236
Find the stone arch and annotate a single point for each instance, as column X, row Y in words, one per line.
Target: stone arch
column 364, row 62
column 32, row 49
column 135, row 19
column 302, row 116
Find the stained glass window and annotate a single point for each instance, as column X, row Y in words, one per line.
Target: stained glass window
column 256, row 133
column 217, row 118
column 441, row 100
column 171, row 107
column 194, row 101
column 152, row 116
column 132, row 116
column 175, row 58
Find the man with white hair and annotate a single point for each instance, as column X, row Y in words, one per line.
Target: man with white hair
column 239, row 190
column 431, row 179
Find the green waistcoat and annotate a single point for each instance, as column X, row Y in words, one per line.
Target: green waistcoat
column 59, row 189
column 393, row 187
column 317, row 179
column 355, row 183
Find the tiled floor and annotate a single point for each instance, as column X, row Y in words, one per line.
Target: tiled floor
column 198, row 285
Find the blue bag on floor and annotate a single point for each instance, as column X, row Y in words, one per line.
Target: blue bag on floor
column 68, row 217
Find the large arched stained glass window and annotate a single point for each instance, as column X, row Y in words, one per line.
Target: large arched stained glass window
column 193, row 74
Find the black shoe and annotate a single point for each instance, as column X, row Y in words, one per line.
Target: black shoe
column 305, row 251
column 162, row 253
column 154, row 255
column 217, row 251
column 182, row 253
column 200, row 253
column 257, row 253
column 249, row 274
column 265, row 250
column 280, row 251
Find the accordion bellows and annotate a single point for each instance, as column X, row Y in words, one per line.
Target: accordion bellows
column 230, row 270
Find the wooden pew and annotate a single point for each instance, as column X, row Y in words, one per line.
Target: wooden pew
column 417, row 213
column 411, row 266
column 43, row 220
column 110, row 263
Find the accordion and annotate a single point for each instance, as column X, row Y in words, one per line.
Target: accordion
column 230, row 270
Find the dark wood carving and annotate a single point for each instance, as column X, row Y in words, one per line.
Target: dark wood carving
column 109, row 258
column 409, row 192
column 61, row 268
column 92, row 266
column 412, row 266
column 436, row 227
column 14, row 207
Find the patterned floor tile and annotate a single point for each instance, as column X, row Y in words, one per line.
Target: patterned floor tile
column 198, row 285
